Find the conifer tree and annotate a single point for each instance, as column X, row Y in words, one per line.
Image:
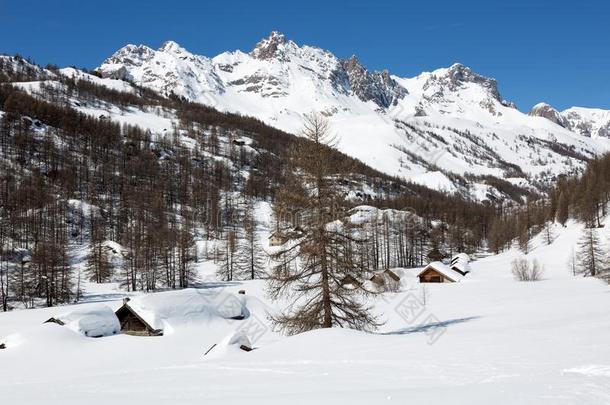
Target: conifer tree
column 312, row 266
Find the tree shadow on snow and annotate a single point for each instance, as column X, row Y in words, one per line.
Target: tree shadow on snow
column 101, row 297
column 203, row 285
column 429, row 326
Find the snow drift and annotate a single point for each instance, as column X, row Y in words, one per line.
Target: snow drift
column 94, row 321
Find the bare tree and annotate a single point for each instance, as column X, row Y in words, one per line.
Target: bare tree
column 229, row 258
column 524, row 271
column 312, row 266
column 590, row 253
column 549, row 233
column 573, row 262
column 252, row 256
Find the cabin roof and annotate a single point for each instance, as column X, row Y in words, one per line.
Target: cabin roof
column 462, row 257
column 382, row 276
column 461, row 267
column 391, row 274
column 441, row 268
column 460, row 262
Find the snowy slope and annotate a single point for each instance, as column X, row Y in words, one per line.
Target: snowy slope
column 118, row 85
column 487, row 339
column 451, row 120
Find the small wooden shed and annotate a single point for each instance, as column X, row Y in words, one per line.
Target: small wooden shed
column 385, row 278
column 133, row 324
column 437, row 272
column 350, row 280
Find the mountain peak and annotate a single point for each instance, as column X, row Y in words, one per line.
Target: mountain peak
column 276, row 36
column 547, row 111
column 275, row 45
column 171, row 46
column 458, row 74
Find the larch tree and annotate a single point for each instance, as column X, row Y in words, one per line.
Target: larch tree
column 99, row 267
column 252, row 256
column 563, row 205
column 229, row 258
column 590, row 253
column 313, row 264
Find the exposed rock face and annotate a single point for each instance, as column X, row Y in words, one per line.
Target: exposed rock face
column 458, row 74
column 270, row 70
column 378, row 87
column 546, row 111
column 509, row 104
column 589, row 122
column 458, row 82
column 276, row 46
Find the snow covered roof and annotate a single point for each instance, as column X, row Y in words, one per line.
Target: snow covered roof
column 444, row 270
column 173, row 308
column 387, row 274
column 461, row 263
column 95, row 321
column 461, row 257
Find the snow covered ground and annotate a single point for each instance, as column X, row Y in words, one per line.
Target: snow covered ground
column 488, row 339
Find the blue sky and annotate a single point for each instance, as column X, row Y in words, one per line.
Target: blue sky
column 551, row 51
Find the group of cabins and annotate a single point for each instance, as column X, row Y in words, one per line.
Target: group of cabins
column 128, row 320
column 133, row 323
column 435, row 272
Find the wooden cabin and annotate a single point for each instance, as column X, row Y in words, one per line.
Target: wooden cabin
column 437, row 272
column 134, row 324
column 350, row 280
column 386, row 278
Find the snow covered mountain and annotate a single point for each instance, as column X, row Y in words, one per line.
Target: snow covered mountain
column 588, row 121
column 427, row 129
column 450, row 121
